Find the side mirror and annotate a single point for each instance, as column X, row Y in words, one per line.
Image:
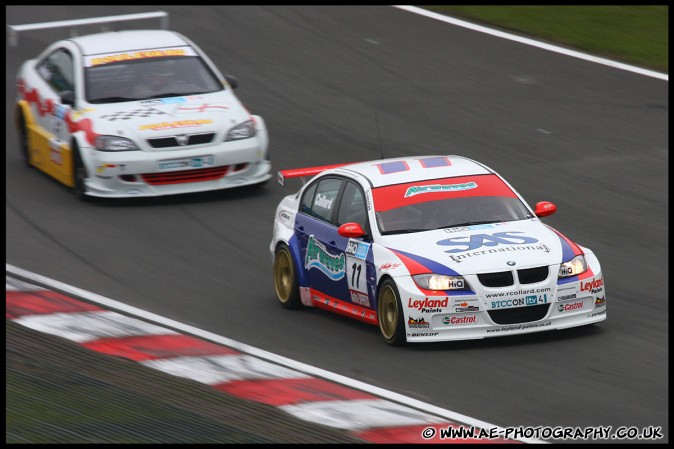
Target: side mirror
column 233, row 83
column 68, row 98
column 351, row 230
column 545, row 208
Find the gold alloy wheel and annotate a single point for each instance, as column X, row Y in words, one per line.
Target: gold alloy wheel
column 283, row 275
column 388, row 312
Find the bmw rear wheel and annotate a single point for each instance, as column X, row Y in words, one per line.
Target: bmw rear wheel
column 390, row 314
column 285, row 279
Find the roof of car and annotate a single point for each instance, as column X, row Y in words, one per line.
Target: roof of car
column 130, row 40
column 409, row 169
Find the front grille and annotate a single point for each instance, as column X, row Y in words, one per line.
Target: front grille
column 519, row 314
column 532, row 275
column 183, row 176
column 172, row 141
column 500, row 279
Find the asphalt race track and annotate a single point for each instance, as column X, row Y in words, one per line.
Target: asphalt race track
column 590, row 138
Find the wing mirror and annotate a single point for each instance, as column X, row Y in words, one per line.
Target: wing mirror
column 68, row 98
column 351, row 230
column 233, row 83
column 545, row 208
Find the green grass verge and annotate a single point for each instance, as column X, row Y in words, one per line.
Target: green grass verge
column 635, row 35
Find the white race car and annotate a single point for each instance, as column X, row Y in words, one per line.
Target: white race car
column 136, row 113
column 429, row 248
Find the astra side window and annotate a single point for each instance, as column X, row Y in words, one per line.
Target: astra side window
column 57, row 70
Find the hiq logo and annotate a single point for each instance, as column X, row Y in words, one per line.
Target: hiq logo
column 565, row 271
column 357, row 249
column 478, row 240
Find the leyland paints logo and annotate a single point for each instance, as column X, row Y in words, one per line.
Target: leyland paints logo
column 417, row 190
column 318, row 257
column 593, row 286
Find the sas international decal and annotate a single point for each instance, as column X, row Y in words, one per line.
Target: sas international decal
column 473, row 242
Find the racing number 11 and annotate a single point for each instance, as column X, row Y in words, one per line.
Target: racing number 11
column 354, row 269
column 355, row 281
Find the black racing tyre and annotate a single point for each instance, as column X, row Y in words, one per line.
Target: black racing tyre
column 285, row 279
column 79, row 175
column 23, row 141
column 390, row 314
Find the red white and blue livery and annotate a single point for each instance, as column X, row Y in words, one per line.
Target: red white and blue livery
column 429, row 248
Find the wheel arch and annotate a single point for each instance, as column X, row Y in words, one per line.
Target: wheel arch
column 381, row 280
column 22, row 109
column 293, row 246
column 76, row 143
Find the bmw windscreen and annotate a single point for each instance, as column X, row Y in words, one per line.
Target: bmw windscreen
column 445, row 203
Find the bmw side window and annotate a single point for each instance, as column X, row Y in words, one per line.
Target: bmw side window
column 325, row 200
column 352, row 209
column 58, row 71
column 308, row 199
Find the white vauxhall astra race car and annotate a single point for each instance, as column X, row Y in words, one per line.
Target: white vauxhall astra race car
column 430, row 248
column 136, row 113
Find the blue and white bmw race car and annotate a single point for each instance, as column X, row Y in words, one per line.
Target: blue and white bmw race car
column 430, row 248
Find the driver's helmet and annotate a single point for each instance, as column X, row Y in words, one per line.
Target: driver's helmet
column 159, row 73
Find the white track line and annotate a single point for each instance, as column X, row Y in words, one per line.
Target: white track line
column 524, row 40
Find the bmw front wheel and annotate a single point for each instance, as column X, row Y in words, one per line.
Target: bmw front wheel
column 390, row 314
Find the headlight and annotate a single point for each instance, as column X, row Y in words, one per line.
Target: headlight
column 573, row 267
column 440, row 282
column 114, row 143
column 242, row 131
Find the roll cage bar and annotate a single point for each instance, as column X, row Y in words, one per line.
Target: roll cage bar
column 14, row 30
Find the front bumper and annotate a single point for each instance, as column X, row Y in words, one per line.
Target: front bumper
column 466, row 317
column 140, row 173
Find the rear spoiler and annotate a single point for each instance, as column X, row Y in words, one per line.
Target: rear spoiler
column 13, row 30
column 304, row 172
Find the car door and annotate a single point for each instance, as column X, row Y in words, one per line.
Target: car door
column 324, row 264
column 56, row 77
column 336, row 267
column 359, row 270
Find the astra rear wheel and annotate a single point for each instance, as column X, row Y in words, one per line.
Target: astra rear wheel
column 23, row 141
column 285, row 279
column 390, row 314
